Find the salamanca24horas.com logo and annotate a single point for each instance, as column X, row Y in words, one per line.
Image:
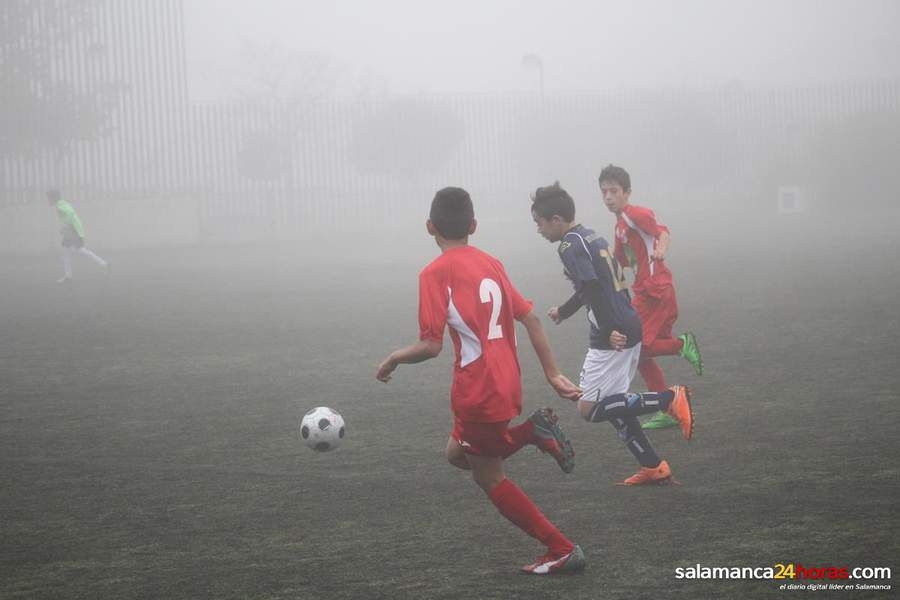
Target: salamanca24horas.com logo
column 782, row 571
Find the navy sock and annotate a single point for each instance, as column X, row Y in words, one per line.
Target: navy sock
column 636, row 441
column 618, row 406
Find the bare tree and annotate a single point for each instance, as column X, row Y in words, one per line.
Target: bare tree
column 270, row 72
column 43, row 108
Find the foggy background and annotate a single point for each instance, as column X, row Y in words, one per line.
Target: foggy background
column 232, row 121
column 258, row 174
column 403, row 47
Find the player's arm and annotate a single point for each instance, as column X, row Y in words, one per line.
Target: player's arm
column 662, row 245
column 541, row 345
column 433, row 300
column 592, row 282
column 593, row 295
column 645, row 220
column 593, row 292
column 558, row 314
column 415, row 353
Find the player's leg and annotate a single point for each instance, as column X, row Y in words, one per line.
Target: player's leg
column 628, row 429
column 606, row 374
column 629, row 404
column 676, row 402
column 658, row 314
column 483, row 444
column 507, row 442
column 655, row 380
column 656, row 323
column 609, row 373
column 456, row 456
column 685, row 345
column 511, row 502
column 542, row 430
column 67, row 265
column 519, row 436
column 84, row 251
column 653, row 469
column 651, row 373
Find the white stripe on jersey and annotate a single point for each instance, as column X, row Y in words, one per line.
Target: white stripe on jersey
column 583, row 243
column 470, row 347
column 648, row 241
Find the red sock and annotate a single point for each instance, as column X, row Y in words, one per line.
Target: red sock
column 521, row 511
column 652, row 374
column 662, row 347
column 521, row 436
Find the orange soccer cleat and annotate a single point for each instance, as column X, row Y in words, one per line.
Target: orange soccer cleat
column 658, row 475
column 682, row 411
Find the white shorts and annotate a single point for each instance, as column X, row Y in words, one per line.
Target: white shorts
column 607, row 372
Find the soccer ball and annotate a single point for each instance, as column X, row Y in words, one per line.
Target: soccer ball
column 322, row 429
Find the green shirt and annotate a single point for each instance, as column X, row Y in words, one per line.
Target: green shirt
column 68, row 216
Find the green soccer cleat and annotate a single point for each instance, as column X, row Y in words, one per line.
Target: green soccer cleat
column 660, row 420
column 690, row 351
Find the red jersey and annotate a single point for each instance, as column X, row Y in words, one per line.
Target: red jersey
column 468, row 290
column 636, row 236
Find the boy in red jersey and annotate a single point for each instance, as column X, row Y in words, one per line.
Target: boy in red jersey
column 469, row 290
column 641, row 243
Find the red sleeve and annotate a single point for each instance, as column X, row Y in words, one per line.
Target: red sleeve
column 645, row 220
column 519, row 305
column 434, row 300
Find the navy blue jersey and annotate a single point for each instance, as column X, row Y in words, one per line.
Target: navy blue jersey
column 589, row 264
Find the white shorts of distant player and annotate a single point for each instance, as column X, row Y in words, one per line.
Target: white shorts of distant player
column 607, row 372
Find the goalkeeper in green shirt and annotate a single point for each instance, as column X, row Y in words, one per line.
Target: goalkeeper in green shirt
column 72, row 235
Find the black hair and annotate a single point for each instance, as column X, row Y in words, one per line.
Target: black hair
column 53, row 195
column 553, row 200
column 615, row 174
column 452, row 213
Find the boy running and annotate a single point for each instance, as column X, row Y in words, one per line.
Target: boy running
column 72, row 236
column 641, row 243
column 469, row 290
column 615, row 336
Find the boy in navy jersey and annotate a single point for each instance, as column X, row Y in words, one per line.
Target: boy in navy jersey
column 615, row 335
column 469, row 291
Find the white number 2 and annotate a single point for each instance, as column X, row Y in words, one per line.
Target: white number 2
column 490, row 292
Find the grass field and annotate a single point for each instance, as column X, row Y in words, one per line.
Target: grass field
column 149, row 446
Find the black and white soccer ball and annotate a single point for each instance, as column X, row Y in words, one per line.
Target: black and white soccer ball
column 322, row 429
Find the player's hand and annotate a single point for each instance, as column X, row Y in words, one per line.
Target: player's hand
column 565, row 388
column 553, row 313
column 617, row 340
column 657, row 255
column 385, row 369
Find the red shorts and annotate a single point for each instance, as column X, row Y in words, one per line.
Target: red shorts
column 483, row 439
column 657, row 313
